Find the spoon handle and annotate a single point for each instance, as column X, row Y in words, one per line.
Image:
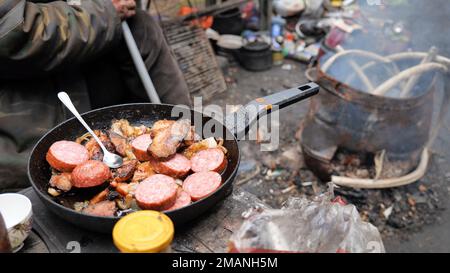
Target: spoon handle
column 65, row 99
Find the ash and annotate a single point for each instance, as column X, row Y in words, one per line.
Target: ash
column 404, row 215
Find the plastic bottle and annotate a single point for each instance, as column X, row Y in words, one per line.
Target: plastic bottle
column 277, row 39
column 289, row 44
column 277, row 28
column 277, row 51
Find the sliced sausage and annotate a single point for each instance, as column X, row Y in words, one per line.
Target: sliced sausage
column 183, row 200
column 199, row 185
column 140, row 145
column 66, row 155
column 62, row 181
column 103, row 208
column 212, row 159
column 158, row 192
column 90, row 174
column 177, row 166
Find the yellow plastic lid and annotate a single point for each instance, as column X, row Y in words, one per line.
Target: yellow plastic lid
column 144, row 231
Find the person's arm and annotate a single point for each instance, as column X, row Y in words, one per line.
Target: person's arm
column 39, row 38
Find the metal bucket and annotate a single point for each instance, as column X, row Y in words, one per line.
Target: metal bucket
column 342, row 117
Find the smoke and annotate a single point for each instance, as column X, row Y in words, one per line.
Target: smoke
column 390, row 27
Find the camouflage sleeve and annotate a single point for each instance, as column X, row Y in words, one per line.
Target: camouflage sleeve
column 38, row 38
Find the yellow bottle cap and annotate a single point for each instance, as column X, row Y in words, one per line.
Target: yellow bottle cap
column 143, row 231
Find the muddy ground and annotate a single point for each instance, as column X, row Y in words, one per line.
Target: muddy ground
column 413, row 218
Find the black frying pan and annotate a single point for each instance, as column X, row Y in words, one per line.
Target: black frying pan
column 147, row 113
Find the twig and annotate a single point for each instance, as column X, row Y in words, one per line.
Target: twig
column 393, row 70
column 342, row 52
column 288, row 189
column 417, row 55
column 359, row 52
column 413, row 80
column 379, row 162
column 418, row 69
column 418, row 173
column 358, row 71
column 248, row 178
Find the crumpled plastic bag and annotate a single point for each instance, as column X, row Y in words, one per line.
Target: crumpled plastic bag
column 324, row 224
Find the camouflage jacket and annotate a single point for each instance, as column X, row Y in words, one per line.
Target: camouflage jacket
column 42, row 46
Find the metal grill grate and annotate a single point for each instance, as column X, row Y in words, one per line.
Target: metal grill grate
column 196, row 59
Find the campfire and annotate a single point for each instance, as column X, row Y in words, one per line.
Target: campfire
column 378, row 106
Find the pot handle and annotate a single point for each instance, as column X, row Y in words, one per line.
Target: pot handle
column 240, row 121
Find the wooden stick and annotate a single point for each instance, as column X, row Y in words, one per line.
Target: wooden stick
column 358, row 71
column 418, row 173
column 415, row 70
column 417, row 55
column 364, row 53
column 413, row 80
column 342, row 52
column 394, row 70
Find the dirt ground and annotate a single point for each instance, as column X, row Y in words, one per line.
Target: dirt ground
column 419, row 220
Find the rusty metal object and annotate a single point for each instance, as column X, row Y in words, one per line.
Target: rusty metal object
column 343, row 117
column 196, row 59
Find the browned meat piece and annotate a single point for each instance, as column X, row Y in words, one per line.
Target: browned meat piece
column 166, row 141
column 191, row 137
column 120, row 143
column 123, row 128
column 95, row 152
column 160, row 125
column 103, row 208
column 125, row 172
column 106, row 141
column 127, row 189
column 61, row 181
column 204, row 144
column 143, row 170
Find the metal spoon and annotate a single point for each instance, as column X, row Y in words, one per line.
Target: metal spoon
column 110, row 159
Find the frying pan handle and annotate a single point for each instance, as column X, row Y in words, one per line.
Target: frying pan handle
column 240, row 121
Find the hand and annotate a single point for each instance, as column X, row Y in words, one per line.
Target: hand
column 125, row 8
